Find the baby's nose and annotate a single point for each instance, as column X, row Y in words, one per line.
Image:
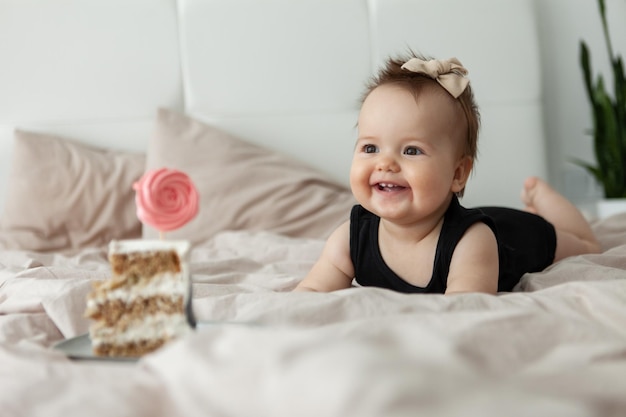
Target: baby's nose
column 387, row 163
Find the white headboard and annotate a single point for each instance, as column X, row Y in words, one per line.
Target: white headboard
column 283, row 73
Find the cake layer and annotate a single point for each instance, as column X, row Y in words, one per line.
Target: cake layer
column 144, row 264
column 117, row 312
column 139, row 331
column 132, row 349
column 133, row 252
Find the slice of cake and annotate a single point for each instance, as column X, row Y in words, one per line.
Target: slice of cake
column 147, row 300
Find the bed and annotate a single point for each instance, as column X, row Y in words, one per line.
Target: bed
column 257, row 101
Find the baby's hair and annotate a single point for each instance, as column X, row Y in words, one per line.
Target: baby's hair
column 392, row 73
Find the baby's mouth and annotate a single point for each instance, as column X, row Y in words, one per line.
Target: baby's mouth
column 388, row 187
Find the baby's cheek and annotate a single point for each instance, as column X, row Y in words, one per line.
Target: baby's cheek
column 358, row 176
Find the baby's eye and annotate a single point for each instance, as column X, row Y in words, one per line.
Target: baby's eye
column 412, row 150
column 370, row 148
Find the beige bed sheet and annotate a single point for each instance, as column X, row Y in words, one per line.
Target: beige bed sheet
column 555, row 347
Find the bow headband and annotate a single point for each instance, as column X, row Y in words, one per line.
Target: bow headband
column 449, row 73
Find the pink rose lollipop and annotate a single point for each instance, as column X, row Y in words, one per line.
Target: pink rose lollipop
column 166, row 199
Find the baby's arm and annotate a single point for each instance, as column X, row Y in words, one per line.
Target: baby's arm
column 475, row 266
column 334, row 269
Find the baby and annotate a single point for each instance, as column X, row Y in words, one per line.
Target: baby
column 416, row 146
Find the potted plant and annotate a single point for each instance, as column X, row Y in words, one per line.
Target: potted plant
column 609, row 121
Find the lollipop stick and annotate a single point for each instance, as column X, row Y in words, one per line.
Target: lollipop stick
column 161, row 235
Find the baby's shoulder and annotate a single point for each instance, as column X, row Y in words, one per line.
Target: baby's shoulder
column 477, row 243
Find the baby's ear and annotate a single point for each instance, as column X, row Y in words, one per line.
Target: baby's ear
column 461, row 173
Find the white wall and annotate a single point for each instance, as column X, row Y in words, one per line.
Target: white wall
column 562, row 24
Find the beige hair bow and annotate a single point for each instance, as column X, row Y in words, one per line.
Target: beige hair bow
column 449, row 73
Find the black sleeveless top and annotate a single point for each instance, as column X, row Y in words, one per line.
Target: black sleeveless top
column 526, row 243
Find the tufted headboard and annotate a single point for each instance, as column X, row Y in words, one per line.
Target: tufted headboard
column 286, row 74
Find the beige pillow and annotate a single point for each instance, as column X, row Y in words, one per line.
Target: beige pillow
column 63, row 195
column 243, row 186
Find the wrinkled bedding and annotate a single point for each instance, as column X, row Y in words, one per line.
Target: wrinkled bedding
column 556, row 346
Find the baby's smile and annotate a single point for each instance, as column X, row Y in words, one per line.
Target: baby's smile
column 389, row 187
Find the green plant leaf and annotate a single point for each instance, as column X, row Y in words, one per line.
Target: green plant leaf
column 609, row 117
column 620, row 83
column 593, row 170
column 620, row 99
column 602, row 8
column 607, row 142
column 586, row 66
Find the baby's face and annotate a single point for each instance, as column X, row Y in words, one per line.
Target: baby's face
column 406, row 160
